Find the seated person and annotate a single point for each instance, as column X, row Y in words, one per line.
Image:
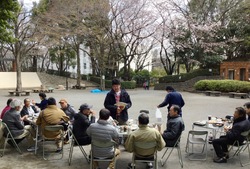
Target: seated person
column 15, row 124
column 68, row 109
column 52, row 115
column 144, row 134
column 247, row 108
column 7, row 107
column 240, row 125
column 105, row 132
column 175, row 126
column 28, row 110
column 82, row 122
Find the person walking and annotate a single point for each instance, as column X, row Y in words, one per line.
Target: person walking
column 172, row 98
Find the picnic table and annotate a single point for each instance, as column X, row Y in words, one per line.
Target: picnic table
column 19, row 93
column 210, row 93
column 236, row 94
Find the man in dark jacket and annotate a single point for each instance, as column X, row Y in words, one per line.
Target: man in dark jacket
column 175, row 126
column 28, row 110
column 82, row 122
column 247, row 108
column 118, row 95
column 171, row 98
column 68, row 109
column 240, row 125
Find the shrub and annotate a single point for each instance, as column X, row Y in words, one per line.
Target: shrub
column 187, row 76
column 223, row 85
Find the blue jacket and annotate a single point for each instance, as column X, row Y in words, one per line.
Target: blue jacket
column 110, row 102
column 173, row 98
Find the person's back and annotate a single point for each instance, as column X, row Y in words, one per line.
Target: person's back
column 52, row 115
column 105, row 132
column 143, row 135
column 6, row 108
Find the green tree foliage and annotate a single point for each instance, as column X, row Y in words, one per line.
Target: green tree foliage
column 8, row 8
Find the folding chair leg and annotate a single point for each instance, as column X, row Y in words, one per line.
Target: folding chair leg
column 70, row 152
column 180, row 157
column 84, row 153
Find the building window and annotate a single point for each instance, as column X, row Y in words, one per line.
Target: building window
column 231, row 74
column 84, row 66
column 248, row 74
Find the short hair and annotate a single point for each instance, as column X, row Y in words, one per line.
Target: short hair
column 170, row 88
column 143, row 119
column 247, row 105
column 25, row 100
column 104, row 114
column 116, row 82
column 43, row 95
column 51, row 101
column 176, row 108
column 241, row 111
column 8, row 101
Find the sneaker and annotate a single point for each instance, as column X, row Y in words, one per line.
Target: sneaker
column 66, row 142
column 32, row 148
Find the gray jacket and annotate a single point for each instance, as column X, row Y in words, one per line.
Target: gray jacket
column 13, row 120
column 102, row 131
column 70, row 111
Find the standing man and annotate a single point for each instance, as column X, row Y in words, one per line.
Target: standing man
column 52, row 115
column 144, row 134
column 81, row 124
column 43, row 104
column 116, row 95
column 68, row 109
column 240, row 125
column 105, row 132
column 173, row 97
column 247, row 108
column 175, row 126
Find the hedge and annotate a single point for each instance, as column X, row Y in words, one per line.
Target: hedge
column 223, row 85
column 108, row 83
column 187, row 76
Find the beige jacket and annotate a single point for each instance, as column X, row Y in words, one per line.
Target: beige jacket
column 50, row 116
column 144, row 134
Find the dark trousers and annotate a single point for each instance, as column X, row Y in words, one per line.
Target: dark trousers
column 220, row 146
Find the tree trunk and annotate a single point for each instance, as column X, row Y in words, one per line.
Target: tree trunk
column 18, row 72
column 78, row 80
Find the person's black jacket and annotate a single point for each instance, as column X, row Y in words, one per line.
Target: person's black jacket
column 25, row 110
column 240, row 125
column 109, row 103
column 80, row 125
column 43, row 104
column 174, row 128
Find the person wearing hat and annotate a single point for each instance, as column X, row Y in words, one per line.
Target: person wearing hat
column 68, row 109
column 172, row 98
column 82, row 122
column 15, row 124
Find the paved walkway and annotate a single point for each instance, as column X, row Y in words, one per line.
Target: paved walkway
column 197, row 107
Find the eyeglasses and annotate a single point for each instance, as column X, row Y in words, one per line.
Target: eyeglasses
column 62, row 102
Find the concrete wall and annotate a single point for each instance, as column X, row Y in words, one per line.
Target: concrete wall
column 29, row 80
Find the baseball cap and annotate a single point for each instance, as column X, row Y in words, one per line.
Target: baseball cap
column 63, row 101
column 85, row 106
